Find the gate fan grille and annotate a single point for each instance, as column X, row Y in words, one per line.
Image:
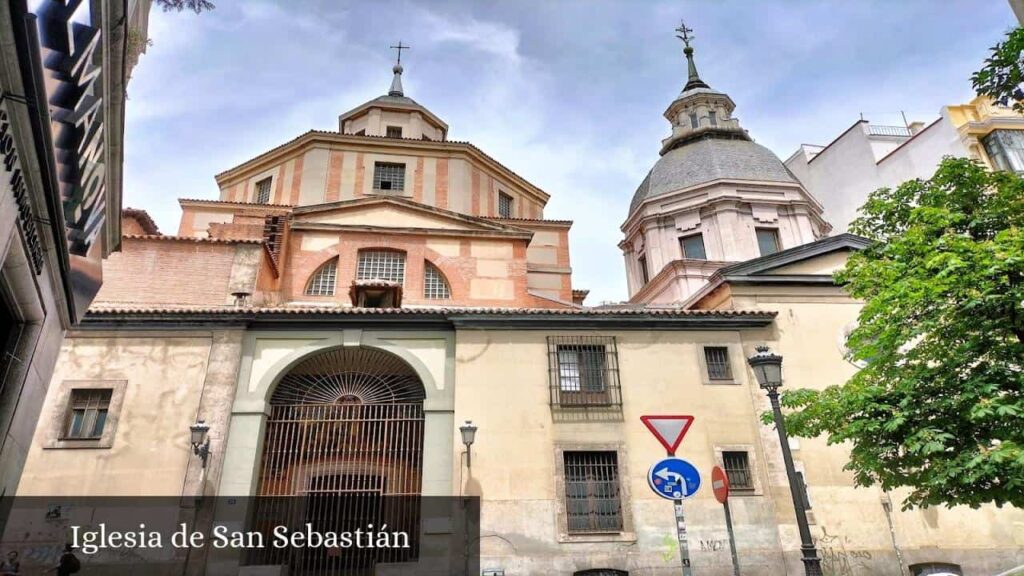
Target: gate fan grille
column 349, row 376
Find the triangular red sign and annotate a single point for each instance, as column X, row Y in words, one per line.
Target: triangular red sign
column 669, row 430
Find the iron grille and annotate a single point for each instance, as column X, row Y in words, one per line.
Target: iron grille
column 263, row 191
column 87, row 413
column 584, row 372
column 394, row 132
column 323, row 280
column 434, row 285
column 601, row 572
column 717, row 360
column 592, row 500
column 737, row 469
column 381, row 265
column 388, row 176
column 345, row 432
column 504, row 205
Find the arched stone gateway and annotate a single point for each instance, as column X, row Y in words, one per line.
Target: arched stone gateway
column 344, row 431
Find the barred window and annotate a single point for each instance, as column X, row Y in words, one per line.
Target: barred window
column 737, row 469
column 435, row 287
column 263, row 191
column 388, row 176
column 381, row 265
column 323, row 280
column 394, row 132
column 717, row 360
column 592, row 500
column 504, row 205
column 87, row 413
column 601, row 572
column 584, row 371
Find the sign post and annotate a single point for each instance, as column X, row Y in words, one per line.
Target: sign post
column 674, row 478
column 720, row 485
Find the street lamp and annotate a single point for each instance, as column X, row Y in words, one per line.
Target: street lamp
column 767, row 369
column 200, row 440
column 468, row 431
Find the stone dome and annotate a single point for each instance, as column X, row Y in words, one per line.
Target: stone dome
column 707, row 160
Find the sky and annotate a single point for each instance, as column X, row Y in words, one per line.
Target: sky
column 567, row 93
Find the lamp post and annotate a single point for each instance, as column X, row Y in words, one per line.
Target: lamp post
column 468, row 431
column 767, row 369
column 200, row 440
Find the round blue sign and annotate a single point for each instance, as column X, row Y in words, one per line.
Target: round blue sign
column 674, row 478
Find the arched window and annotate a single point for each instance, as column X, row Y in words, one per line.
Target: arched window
column 381, row 265
column 323, row 280
column 435, row 287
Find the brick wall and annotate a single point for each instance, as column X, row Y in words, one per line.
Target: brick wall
column 181, row 272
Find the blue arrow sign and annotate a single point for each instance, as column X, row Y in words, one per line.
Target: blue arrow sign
column 674, row 478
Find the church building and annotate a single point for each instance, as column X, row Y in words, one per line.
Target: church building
column 356, row 301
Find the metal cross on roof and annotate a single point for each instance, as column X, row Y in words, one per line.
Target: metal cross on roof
column 685, row 34
column 400, row 47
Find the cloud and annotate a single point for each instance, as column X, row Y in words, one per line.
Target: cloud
column 567, row 94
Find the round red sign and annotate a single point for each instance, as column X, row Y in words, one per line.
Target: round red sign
column 720, row 484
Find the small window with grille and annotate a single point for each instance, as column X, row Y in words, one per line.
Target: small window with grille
column 584, row 372
column 504, row 205
column 435, row 287
column 323, row 280
column 592, row 498
column 87, row 413
column 263, row 191
column 389, row 176
column 737, row 469
column 716, row 358
column 394, row 132
column 381, row 265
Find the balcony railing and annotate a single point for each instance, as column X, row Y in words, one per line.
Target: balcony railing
column 876, row 130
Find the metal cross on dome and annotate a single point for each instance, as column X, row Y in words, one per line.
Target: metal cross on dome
column 400, row 47
column 685, row 34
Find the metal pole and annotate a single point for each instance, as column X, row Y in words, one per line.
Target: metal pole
column 732, row 540
column 684, row 545
column 812, row 564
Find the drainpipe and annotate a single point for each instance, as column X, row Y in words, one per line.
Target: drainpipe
column 887, row 506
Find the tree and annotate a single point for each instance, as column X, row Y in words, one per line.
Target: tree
column 1003, row 75
column 196, row 6
column 939, row 405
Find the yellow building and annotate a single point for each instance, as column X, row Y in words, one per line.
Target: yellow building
column 330, row 337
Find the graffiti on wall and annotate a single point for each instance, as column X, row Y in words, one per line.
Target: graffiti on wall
column 837, row 560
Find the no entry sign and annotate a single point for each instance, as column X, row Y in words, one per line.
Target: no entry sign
column 720, row 484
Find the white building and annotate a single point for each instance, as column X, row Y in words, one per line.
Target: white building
column 868, row 156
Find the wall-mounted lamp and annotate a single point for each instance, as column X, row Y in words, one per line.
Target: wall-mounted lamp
column 468, row 431
column 200, row 440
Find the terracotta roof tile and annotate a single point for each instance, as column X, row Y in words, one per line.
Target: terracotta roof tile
column 110, row 308
column 192, row 239
column 143, row 218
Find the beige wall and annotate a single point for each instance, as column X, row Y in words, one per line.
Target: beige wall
column 150, row 451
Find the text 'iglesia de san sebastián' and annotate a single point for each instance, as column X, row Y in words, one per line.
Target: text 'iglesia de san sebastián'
column 353, row 297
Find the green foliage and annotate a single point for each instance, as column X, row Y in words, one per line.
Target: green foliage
column 939, row 407
column 1003, row 74
column 196, row 6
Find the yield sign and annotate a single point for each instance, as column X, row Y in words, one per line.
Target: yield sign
column 669, row 430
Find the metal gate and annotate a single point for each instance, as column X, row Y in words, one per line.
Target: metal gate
column 343, row 450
